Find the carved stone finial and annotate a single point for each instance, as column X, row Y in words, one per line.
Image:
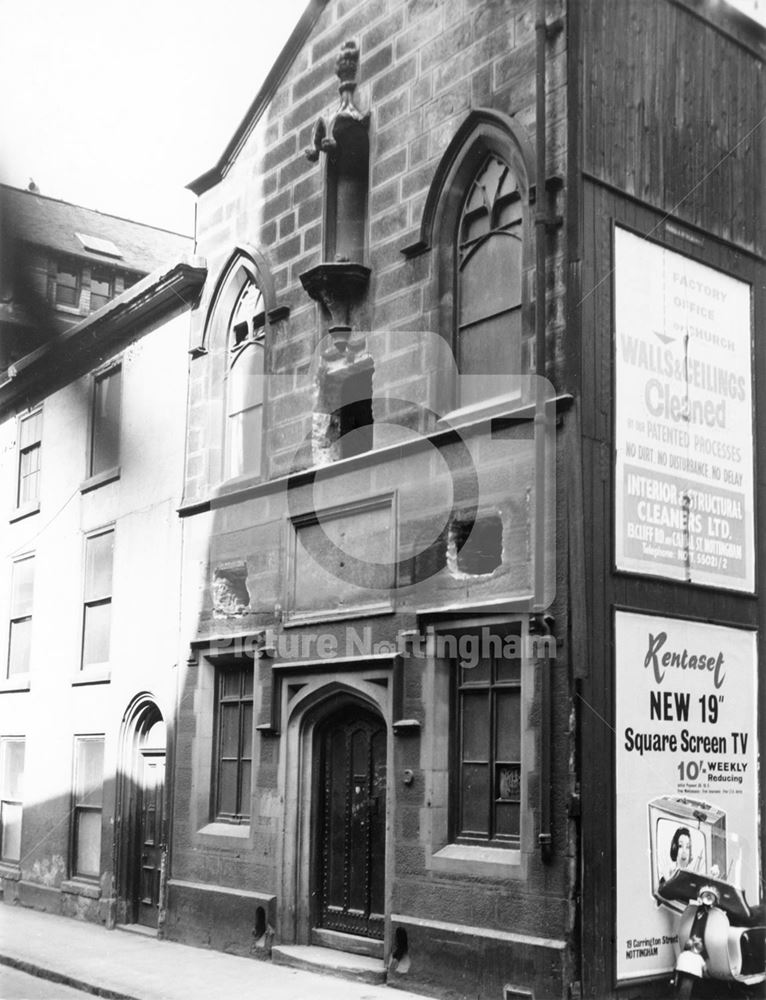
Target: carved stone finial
column 347, row 63
column 324, row 138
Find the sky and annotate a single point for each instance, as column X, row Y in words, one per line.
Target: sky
column 117, row 106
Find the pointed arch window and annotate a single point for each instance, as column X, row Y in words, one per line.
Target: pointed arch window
column 245, row 383
column 488, row 277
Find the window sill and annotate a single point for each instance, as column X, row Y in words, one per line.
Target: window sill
column 18, row 682
column 483, row 409
column 235, row 831
column 10, row 870
column 26, row 511
column 237, row 483
column 91, row 890
column 469, row 859
column 98, row 675
column 100, row 479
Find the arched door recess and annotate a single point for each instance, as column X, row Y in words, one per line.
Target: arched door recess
column 141, row 827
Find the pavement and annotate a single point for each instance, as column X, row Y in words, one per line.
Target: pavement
column 120, row 965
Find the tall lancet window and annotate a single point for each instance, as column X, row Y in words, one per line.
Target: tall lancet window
column 245, row 384
column 488, row 263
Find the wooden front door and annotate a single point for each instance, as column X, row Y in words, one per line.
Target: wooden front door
column 352, row 830
column 150, row 836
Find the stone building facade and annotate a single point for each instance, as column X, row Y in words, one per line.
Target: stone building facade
column 422, row 272
column 369, row 512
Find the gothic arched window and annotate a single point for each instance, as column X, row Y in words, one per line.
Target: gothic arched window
column 488, row 277
column 245, row 382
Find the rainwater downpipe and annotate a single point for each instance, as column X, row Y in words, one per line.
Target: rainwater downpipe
column 545, row 838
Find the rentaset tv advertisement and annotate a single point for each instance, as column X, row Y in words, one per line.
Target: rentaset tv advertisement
column 686, row 773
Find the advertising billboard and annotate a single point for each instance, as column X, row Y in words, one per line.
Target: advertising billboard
column 683, row 418
column 686, row 776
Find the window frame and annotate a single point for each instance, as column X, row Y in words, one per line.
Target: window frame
column 245, row 265
column 73, row 268
column 80, row 808
column 463, row 251
column 110, row 371
column 493, row 688
column 241, row 341
column 32, row 447
column 105, row 276
column 102, row 600
column 16, row 618
column 7, row 799
column 483, row 133
column 518, row 628
column 242, row 699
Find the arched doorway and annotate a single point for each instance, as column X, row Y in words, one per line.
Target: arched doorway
column 142, row 826
column 350, row 833
column 150, row 828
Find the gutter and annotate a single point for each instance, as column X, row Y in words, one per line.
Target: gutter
column 545, row 837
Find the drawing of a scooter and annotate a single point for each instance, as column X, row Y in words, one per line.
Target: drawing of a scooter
column 720, row 935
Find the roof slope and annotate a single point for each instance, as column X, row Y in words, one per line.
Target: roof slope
column 49, row 222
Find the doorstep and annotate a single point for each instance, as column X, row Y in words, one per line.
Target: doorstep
column 150, row 932
column 347, row 942
column 313, row 958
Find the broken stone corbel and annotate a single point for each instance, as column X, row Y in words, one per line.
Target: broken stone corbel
column 324, row 138
column 337, row 287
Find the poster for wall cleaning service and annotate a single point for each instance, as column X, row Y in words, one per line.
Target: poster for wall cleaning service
column 686, row 774
column 683, row 418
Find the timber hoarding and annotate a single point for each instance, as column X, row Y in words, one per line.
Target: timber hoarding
column 684, row 507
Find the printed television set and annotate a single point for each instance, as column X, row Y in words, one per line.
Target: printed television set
column 685, row 835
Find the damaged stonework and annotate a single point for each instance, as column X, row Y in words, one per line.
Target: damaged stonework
column 229, row 591
column 342, row 421
column 48, row 872
column 475, row 549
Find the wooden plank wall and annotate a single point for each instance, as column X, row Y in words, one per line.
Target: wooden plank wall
column 673, row 113
column 606, row 589
column 669, row 113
